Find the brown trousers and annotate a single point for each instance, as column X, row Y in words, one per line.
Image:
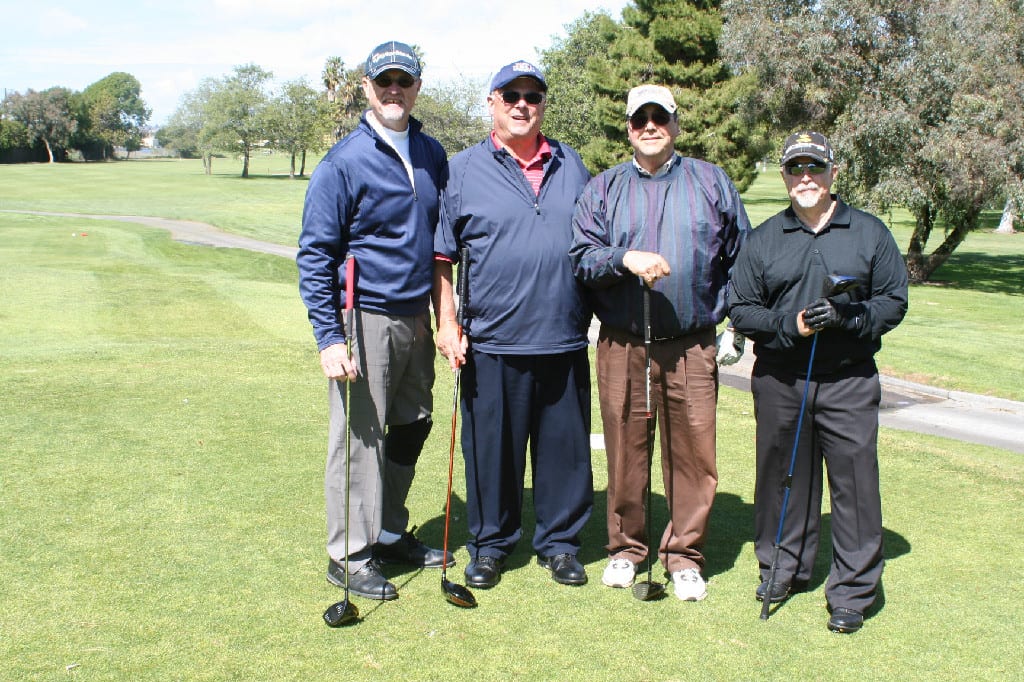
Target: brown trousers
column 684, row 397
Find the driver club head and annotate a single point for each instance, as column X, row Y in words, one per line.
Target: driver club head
column 458, row 594
column 838, row 284
column 648, row 590
column 341, row 613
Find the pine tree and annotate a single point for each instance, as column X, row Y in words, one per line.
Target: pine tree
column 675, row 43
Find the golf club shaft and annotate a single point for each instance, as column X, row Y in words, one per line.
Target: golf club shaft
column 350, row 281
column 766, row 602
column 649, row 425
column 462, row 290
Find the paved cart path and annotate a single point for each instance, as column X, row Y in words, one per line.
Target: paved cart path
column 905, row 405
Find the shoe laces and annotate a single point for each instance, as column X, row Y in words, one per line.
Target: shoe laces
column 687, row 575
column 621, row 565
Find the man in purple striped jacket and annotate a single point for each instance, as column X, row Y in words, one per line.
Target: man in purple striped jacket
column 674, row 224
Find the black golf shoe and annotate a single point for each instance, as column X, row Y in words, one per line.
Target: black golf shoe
column 779, row 592
column 409, row 550
column 367, row 582
column 845, row 620
column 565, row 569
column 484, row 571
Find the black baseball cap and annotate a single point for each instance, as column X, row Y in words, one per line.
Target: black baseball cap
column 807, row 143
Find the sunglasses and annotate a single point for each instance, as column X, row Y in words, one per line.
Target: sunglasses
column 385, row 81
column 811, row 168
column 638, row 121
column 513, row 97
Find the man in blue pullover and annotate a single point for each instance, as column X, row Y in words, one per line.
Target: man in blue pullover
column 509, row 199
column 374, row 198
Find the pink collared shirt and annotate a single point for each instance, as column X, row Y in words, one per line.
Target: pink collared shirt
column 533, row 169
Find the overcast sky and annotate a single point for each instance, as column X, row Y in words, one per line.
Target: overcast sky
column 170, row 45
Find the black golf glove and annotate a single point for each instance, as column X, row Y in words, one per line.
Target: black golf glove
column 823, row 313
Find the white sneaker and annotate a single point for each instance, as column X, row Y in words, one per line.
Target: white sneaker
column 619, row 573
column 689, row 585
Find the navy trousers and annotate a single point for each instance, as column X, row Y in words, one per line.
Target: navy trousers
column 510, row 402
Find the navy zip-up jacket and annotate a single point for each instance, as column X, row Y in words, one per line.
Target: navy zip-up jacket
column 359, row 201
column 523, row 298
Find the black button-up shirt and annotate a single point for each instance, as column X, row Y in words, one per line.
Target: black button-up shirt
column 782, row 268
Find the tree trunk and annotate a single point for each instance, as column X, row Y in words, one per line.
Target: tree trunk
column 1006, row 222
column 207, row 163
column 923, row 222
column 49, row 151
column 291, row 172
column 245, row 163
column 921, row 267
column 302, row 170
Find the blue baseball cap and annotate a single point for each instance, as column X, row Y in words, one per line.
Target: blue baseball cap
column 393, row 55
column 510, row 72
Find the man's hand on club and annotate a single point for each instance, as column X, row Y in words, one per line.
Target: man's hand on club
column 335, row 363
column 822, row 314
column 452, row 343
column 730, row 347
column 647, row 265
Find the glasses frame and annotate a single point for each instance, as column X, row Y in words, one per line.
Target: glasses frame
column 640, row 119
column 404, row 81
column 512, row 97
column 812, row 168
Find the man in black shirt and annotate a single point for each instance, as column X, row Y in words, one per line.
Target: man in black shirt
column 775, row 299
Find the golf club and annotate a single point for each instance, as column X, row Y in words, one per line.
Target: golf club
column 454, row 593
column 345, row 612
column 646, row 590
column 833, row 286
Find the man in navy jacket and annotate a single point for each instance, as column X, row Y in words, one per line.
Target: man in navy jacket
column 374, row 198
column 510, row 200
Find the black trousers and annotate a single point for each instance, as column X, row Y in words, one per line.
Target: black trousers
column 840, row 428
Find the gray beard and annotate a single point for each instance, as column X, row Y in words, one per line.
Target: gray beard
column 806, row 201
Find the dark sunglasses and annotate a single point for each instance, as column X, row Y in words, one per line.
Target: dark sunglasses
column 638, row 121
column 385, row 81
column 513, row 97
column 811, row 167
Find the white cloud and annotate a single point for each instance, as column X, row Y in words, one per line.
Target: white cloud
column 57, row 21
column 170, row 47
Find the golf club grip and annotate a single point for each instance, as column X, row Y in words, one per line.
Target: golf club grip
column 462, row 287
column 647, row 313
column 350, row 282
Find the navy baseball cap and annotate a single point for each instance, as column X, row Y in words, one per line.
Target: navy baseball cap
column 393, row 55
column 510, row 72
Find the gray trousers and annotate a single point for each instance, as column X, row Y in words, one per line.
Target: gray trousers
column 395, row 357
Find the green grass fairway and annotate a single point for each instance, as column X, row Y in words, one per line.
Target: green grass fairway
column 962, row 332
column 161, row 504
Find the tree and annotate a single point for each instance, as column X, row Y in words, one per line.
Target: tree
column 236, row 112
column 345, row 95
column 675, row 43
column 924, row 101
column 299, row 121
column 116, row 112
column 46, row 115
column 568, row 116
column 187, row 130
column 453, row 112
